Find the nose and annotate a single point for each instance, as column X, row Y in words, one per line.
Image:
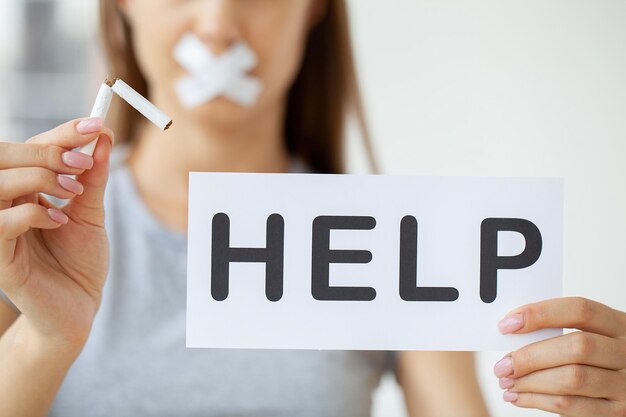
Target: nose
column 218, row 24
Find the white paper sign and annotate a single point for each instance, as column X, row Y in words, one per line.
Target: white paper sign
column 305, row 261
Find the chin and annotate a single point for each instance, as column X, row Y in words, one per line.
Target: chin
column 223, row 113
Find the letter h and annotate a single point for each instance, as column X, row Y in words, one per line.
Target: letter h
column 272, row 255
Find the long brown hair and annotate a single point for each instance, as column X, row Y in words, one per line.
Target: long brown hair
column 323, row 95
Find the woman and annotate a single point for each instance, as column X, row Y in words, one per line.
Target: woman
column 54, row 263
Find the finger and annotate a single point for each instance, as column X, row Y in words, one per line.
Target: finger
column 17, row 220
column 72, row 134
column 46, row 149
column 89, row 206
column 55, row 158
column 25, row 199
column 570, row 406
column 23, row 181
column 568, row 312
column 578, row 347
column 580, row 380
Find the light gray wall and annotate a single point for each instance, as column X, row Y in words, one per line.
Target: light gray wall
column 508, row 88
column 48, row 63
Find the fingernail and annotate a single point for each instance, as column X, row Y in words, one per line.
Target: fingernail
column 511, row 323
column 58, row 216
column 70, row 184
column 90, row 125
column 506, row 383
column 77, row 160
column 504, row 367
column 509, row 396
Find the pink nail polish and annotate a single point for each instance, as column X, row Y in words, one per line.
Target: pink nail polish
column 504, row 367
column 506, row 383
column 70, row 185
column 77, row 160
column 509, row 396
column 58, row 216
column 511, row 323
column 90, row 125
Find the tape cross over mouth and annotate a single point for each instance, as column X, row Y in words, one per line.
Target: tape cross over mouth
column 212, row 75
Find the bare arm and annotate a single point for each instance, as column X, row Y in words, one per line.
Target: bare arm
column 32, row 367
column 440, row 384
column 53, row 261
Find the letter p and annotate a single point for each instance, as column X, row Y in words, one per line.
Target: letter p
column 490, row 262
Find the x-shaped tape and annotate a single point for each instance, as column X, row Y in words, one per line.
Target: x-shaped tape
column 211, row 76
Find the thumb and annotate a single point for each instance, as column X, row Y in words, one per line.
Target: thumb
column 89, row 206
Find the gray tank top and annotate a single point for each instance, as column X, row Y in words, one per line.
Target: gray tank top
column 135, row 362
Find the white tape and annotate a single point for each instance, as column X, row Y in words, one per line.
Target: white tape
column 245, row 91
column 211, row 76
column 191, row 54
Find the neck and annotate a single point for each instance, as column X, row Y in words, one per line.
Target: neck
column 160, row 162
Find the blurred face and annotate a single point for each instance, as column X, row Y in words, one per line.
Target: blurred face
column 276, row 30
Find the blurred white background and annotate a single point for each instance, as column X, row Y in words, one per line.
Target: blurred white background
column 452, row 87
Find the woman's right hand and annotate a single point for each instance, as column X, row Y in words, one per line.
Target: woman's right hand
column 53, row 263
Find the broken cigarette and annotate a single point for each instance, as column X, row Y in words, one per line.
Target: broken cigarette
column 136, row 100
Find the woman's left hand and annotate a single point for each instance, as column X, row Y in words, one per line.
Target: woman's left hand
column 580, row 374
